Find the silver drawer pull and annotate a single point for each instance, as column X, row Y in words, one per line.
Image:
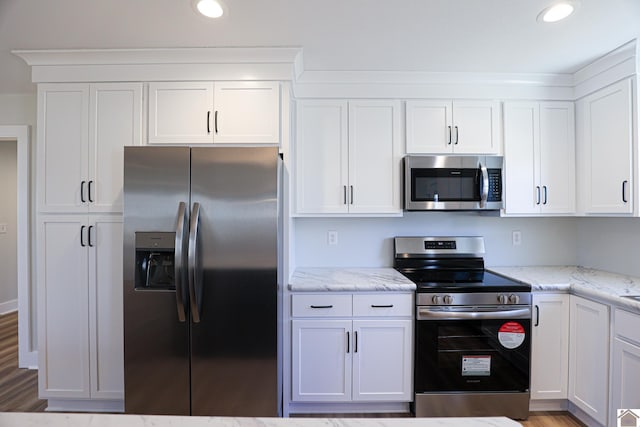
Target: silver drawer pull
column 321, row 306
column 381, row 306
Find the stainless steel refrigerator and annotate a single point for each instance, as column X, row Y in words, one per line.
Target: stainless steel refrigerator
column 201, row 292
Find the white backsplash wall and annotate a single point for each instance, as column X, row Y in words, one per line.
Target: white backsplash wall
column 610, row 244
column 368, row 242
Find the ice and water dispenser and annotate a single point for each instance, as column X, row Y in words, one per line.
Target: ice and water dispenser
column 155, row 261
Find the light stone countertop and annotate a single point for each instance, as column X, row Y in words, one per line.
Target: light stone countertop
column 586, row 282
column 349, row 279
column 109, row 420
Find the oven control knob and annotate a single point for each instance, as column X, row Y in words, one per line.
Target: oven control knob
column 448, row 299
column 514, row 299
column 503, row 299
column 436, row 299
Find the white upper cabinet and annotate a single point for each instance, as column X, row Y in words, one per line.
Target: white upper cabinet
column 81, row 134
column 539, row 157
column 348, row 157
column 443, row 126
column 220, row 112
column 607, row 131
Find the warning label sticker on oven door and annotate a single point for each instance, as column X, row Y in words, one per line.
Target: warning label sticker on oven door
column 511, row 335
column 476, row 365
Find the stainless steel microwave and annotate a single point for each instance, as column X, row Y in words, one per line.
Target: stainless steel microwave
column 453, row 183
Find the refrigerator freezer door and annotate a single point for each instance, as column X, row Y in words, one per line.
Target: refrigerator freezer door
column 156, row 343
column 234, row 344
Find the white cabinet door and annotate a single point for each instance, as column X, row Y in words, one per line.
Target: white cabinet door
column 374, row 157
column 114, row 122
column 246, row 112
column 476, row 127
column 322, row 159
column 589, row 357
column 63, row 119
column 557, row 157
column 539, row 157
column 429, row 126
column 180, row 112
column 63, row 330
column 625, row 364
column 608, row 140
column 550, row 346
column 105, row 308
column 382, row 360
column 521, row 148
column 321, row 360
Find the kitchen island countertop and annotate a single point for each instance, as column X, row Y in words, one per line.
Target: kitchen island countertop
column 582, row 281
column 317, row 279
column 111, row 420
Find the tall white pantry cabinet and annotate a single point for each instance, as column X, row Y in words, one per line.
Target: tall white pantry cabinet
column 82, row 129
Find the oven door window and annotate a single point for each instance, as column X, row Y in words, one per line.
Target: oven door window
column 445, row 185
column 472, row 355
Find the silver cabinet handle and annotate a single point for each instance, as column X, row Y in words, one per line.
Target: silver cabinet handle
column 537, row 194
column 544, row 188
column 450, row 138
column 484, row 193
column 624, row 193
column 195, row 287
column 457, row 135
column 179, row 270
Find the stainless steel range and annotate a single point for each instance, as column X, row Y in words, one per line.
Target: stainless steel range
column 472, row 331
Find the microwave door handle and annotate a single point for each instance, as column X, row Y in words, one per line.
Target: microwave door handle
column 181, row 225
column 484, row 186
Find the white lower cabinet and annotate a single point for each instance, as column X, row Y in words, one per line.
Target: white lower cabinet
column 80, row 307
column 625, row 364
column 359, row 354
column 550, row 347
column 589, row 357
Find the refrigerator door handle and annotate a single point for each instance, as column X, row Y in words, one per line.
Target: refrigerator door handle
column 195, row 287
column 181, row 228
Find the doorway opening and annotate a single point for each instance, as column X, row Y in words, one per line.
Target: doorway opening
column 18, row 136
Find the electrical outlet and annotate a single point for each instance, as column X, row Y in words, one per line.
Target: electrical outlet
column 332, row 237
column 516, row 237
column 3, row 228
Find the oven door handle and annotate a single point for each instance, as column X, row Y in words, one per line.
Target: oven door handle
column 425, row 313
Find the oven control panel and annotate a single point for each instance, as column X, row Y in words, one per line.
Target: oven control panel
column 477, row 298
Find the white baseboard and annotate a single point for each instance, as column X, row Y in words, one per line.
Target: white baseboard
column 85, row 405
column 8, row 306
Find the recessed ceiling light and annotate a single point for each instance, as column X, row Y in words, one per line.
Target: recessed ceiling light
column 209, row 8
column 557, row 12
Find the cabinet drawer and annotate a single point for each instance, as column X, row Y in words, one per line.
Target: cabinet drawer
column 627, row 325
column 320, row 305
column 383, row 304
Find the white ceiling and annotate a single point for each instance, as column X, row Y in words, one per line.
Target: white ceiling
column 391, row 35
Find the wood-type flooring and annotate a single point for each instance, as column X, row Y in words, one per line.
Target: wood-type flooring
column 19, row 387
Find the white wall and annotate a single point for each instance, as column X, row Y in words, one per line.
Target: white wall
column 611, row 244
column 8, row 217
column 368, row 242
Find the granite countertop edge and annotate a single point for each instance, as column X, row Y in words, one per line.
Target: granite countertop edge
column 586, row 282
column 327, row 279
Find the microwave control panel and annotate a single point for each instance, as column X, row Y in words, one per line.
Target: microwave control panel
column 495, row 185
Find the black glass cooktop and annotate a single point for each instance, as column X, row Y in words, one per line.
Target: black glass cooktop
column 463, row 281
